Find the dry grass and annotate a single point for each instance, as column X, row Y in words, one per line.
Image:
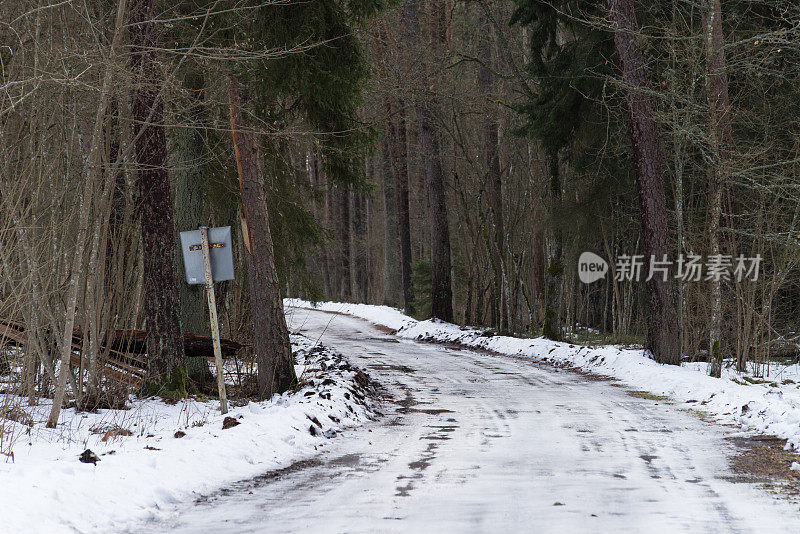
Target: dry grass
column 639, row 394
column 700, row 414
column 763, row 459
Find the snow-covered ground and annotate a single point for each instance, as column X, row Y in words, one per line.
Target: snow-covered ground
column 379, row 315
column 471, row 442
column 771, row 406
column 46, row 489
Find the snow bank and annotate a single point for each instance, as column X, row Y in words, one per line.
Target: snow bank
column 769, row 407
column 380, row 315
column 46, row 488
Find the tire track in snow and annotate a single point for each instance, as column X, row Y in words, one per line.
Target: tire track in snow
column 473, row 442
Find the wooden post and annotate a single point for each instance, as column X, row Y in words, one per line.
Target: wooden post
column 212, row 311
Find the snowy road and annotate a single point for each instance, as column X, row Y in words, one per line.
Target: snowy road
column 476, row 443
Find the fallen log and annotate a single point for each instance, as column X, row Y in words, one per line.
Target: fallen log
column 122, row 347
column 135, row 342
column 128, row 341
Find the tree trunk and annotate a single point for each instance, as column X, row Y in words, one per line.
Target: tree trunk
column 401, row 207
column 662, row 338
column 715, row 326
column 271, row 335
column 678, row 159
column 162, row 299
column 721, row 142
column 187, row 154
column 554, row 272
column 441, row 290
column 538, row 269
column 391, row 278
column 359, row 247
column 441, row 285
column 494, row 184
column 343, row 242
column 331, row 283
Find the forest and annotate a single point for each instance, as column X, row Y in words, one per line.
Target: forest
column 449, row 158
column 423, row 198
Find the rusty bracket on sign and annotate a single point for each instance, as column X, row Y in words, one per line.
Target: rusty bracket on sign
column 210, row 245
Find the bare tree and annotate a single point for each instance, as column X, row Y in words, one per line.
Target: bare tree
column 721, row 142
column 494, row 179
column 77, row 269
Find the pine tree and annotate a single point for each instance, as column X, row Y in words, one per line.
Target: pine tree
column 426, row 107
column 568, row 59
column 662, row 334
column 162, row 301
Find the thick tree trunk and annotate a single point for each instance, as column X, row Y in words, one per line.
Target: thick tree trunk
column 401, row 207
column 721, row 142
column 186, row 156
column 678, row 155
column 271, row 335
column 662, row 335
column 162, row 298
column 441, row 291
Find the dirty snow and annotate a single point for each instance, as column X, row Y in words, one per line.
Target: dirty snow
column 477, row 443
column 46, row 489
column 771, row 407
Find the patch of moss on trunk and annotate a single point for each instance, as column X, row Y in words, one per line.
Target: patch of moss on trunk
column 176, row 385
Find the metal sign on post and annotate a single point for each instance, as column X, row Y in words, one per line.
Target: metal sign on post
column 208, row 258
column 221, row 255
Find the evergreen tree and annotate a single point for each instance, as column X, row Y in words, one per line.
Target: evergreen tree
column 568, row 62
column 165, row 348
column 315, row 84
